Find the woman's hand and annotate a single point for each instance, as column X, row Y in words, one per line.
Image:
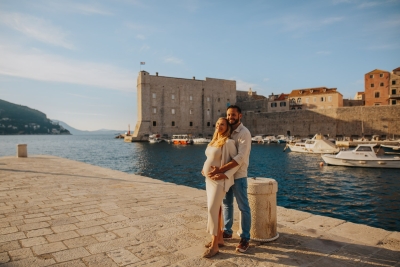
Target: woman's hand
column 202, row 172
column 219, row 176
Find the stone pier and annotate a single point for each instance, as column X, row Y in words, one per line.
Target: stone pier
column 59, row 212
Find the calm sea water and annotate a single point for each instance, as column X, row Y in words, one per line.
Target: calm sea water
column 359, row 195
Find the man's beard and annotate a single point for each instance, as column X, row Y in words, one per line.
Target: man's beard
column 234, row 122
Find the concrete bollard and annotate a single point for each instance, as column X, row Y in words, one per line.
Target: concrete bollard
column 262, row 200
column 22, row 151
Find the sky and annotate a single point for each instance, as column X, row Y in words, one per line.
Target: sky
column 78, row 61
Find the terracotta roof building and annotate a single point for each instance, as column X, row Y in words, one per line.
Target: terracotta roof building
column 315, row 98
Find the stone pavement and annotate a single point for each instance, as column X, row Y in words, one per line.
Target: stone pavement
column 60, row 212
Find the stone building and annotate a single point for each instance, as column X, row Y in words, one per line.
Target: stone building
column 394, row 91
column 278, row 103
column 168, row 105
column 376, row 84
column 315, row 98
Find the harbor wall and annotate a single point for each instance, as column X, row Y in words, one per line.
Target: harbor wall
column 335, row 122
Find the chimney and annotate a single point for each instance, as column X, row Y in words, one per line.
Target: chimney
column 156, row 73
column 194, row 78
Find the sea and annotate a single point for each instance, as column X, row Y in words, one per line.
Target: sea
column 359, row 195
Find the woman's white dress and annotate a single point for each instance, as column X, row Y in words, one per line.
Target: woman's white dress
column 217, row 156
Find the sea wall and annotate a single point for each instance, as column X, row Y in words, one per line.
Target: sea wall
column 344, row 121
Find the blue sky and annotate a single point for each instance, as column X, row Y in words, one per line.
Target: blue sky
column 78, row 61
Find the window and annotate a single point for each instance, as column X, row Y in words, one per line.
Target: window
column 299, row 100
column 322, row 98
column 293, row 100
column 315, row 99
column 376, row 94
column 371, row 76
column 173, row 111
column 372, row 85
column 208, row 99
column 208, row 112
column 154, row 123
column 272, row 105
column 282, row 104
column 172, row 96
column 394, row 102
column 154, row 95
column 329, row 98
column 173, row 123
column 381, row 75
column 307, row 100
column 154, row 110
column 191, row 123
column 208, row 124
column 381, row 84
column 377, row 104
column 393, row 91
column 393, row 82
column 219, row 111
column 191, row 111
column 190, row 98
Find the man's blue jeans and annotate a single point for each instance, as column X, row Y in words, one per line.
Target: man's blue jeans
column 239, row 190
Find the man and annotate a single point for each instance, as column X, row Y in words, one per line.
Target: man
column 242, row 138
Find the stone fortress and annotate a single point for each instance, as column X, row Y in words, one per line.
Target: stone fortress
column 168, row 105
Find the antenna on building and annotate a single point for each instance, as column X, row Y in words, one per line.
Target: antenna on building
column 142, row 63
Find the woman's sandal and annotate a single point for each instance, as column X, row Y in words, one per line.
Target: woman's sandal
column 209, row 245
column 209, row 253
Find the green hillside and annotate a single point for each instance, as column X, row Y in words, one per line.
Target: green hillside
column 17, row 119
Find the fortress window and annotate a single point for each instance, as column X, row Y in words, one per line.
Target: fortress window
column 173, row 123
column 376, row 94
column 191, row 123
column 190, row 111
column 173, row 111
column 299, row 100
column 393, row 82
column 322, row 98
column 372, row 85
column 381, row 84
column 154, row 95
column 394, row 102
column 393, row 91
column 154, row 123
column 315, row 99
column 208, row 124
column 154, row 110
column 190, row 98
column 172, row 96
column 208, row 99
column 208, row 112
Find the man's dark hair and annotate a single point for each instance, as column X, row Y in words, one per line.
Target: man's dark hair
column 236, row 107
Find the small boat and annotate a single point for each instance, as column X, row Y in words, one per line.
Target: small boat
column 154, row 138
column 257, row 139
column 201, row 140
column 315, row 145
column 363, row 156
column 181, row 139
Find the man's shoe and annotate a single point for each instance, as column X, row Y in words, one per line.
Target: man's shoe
column 243, row 246
column 226, row 236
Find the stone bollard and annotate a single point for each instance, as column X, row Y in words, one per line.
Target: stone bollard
column 22, row 151
column 262, row 200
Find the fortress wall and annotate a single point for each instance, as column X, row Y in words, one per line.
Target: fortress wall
column 346, row 121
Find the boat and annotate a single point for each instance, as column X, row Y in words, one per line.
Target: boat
column 363, row 156
column 201, row 140
column 257, row 139
column 270, row 139
column 181, row 139
column 154, row 138
column 391, row 149
column 315, row 145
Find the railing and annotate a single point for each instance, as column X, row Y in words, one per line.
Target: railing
column 394, row 96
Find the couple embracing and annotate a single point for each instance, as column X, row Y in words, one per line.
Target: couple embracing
column 225, row 170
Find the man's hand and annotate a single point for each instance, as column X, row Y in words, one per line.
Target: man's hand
column 219, row 176
column 214, row 171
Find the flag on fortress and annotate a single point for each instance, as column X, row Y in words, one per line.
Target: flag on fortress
column 142, row 63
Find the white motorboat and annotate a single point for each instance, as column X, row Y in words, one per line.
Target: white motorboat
column 363, row 156
column 154, row 138
column 181, row 139
column 257, row 139
column 315, row 145
column 201, row 140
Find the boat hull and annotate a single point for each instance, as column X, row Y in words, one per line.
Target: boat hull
column 303, row 149
column 364, row 163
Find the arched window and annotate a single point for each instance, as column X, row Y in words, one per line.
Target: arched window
column 299, row 100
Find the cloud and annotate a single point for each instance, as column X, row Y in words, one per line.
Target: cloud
column 244, row 86
column 368, row 4
column 140, row 37
column 173, row 60
column 90, row 9
column 36, row 28
column 331, row 20
column 266, row 79
column 37, row 65
column 69, row 6
column 144, row 48
column 383, row 47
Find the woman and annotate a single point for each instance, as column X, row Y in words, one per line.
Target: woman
column 219, row 151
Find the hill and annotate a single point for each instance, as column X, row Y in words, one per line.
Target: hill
column 75, row 131
column 18, row 119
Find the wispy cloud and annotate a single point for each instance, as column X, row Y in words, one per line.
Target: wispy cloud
column 144, row 48
column 37, row 65
column 369, row 4
column 140, row 37
column 73, row 7
column 383, row 47
column 36, row 28
column 173, row 60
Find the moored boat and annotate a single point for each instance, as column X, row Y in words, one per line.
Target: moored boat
column 363, row 156
column 391, row 149
column 181, row 139
column 315, row 145
column 154, row 138
column 201, row 140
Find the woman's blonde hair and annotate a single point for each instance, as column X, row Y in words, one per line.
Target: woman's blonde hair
column 220, row 140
